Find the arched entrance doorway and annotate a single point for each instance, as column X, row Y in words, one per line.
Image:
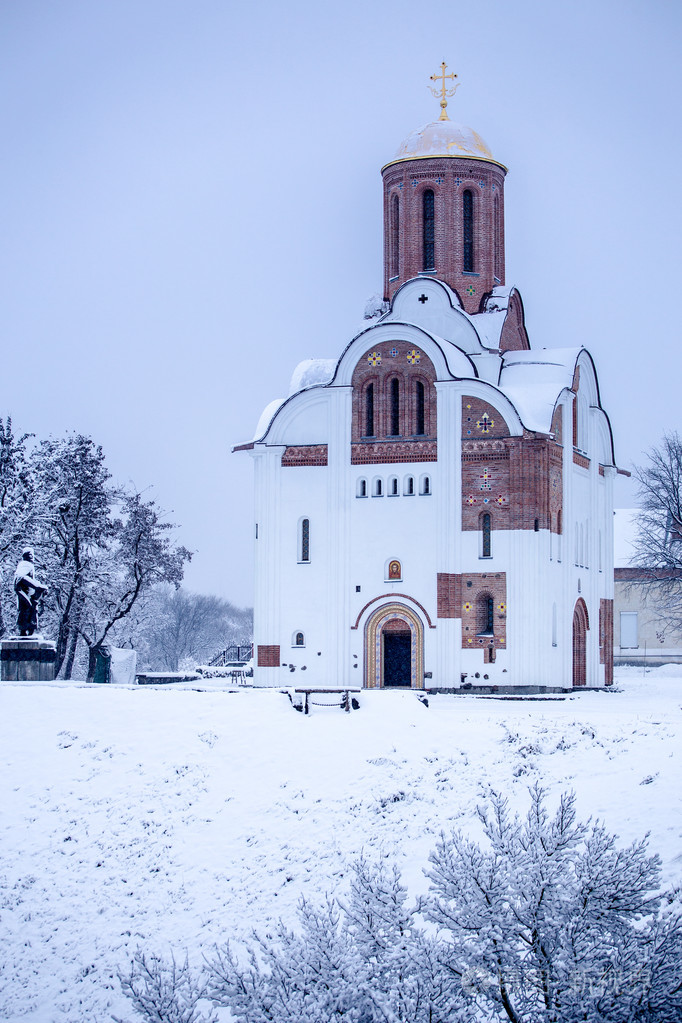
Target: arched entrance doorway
column 394, row 649
column 581, row 624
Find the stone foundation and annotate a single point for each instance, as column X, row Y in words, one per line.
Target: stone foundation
column 27, row 659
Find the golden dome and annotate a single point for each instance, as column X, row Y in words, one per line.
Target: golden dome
column 443, row 138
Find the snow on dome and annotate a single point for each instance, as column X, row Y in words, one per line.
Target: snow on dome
column 310, row 372
column 266, row 417
column 443, row 138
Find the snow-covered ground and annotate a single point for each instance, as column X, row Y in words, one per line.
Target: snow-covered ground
column 172, row 818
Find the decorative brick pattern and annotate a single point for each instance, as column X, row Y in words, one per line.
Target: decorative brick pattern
column 480, row 419
column 518, row 480
column 476, row 587
column 379, row 367
column 581, row 460
column 380, row 452
column 268, row 656
column 464, row 596
column 305, row 454
column 448, row 177
column 449, row 603
column 606, row 639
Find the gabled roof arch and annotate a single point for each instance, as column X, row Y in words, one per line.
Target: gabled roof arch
column 449, row 361
column 436, row 308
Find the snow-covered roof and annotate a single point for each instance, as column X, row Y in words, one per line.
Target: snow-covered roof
column 443, row 138
column 311, row 372
column 533, row 380
column 488, row 326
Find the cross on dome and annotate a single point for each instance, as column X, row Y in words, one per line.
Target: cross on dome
column 443, row 92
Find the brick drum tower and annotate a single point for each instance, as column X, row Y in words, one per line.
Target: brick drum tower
column 434, row 508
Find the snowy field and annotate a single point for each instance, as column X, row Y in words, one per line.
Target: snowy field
column 171, row 818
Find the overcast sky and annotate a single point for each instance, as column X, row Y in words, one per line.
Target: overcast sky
column 190, row 204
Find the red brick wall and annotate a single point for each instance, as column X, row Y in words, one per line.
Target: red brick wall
column 449, row 602
column 305, row 454
column 514, row 337
column 476, row 585
column 557, row 427
column 479, row 419
column 460, row 596
column 518, row 480
column 448, row 177
column 268, row 656
column 379, row 366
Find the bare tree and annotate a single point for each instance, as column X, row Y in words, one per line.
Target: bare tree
column 189, row 627
column 659, row 534
column 139, row 554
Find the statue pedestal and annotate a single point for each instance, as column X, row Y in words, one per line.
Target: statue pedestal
column 27, row 659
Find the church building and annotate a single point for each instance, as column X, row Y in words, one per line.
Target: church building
column 434, row 509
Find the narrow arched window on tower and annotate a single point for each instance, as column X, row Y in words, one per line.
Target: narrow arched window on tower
column 468, row 231
column 395, row 236
column 419, row 407
column 497, row 238
column 486, row 547
column 369, row 410
column 428, row 223
column 395, row 407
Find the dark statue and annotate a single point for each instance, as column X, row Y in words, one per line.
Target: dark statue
column 29, row 594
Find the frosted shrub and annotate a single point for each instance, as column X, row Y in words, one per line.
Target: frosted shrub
column 364, row 961
column 545, row 921
column 163, row 992
column 550, row 922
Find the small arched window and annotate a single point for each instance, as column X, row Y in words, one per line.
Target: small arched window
column 361, row 490
column 426, row 485
column 393, row 486
column 378, row 490
column 429, row 262
column 486, row 535
column 468, row 231
column 369, row 410
column 408, row 487
column 559, row 528
column 419, row 408
column 299, row 639
column 395, row 407
column 395, row 236
column 304, row 541
column 485, row 615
